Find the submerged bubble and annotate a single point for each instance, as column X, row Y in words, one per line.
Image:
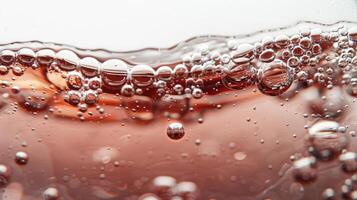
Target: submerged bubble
column 21, row 158
column 325, row 142
column 5, row 175
column 304, row 169
column 51, row 193
column 274, row 78
column 175, row 131
column 349, row 161
column 239, row 76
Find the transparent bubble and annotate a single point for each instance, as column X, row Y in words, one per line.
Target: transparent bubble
column 114, row 73
column 197, row 93
column 304, row 169
column 5, row 175
column 180, row 71
column 239, row 76
column 352, row 33
column 67, row 60
column 45, row 57
column 175, row 131
column 186, row 189
column 329, row 194
column 349, row 161
column 164, row 73
column 282, row 41
column 325, row 142
column 274, row 78
column 26, row 56
column 73, row 97
column 267, row 55
column 7, row 57
column 74, row 80
column 21, row 158
column 89, row 66
column 51, row 193
column 243, row 54
column 142, row 75
column 127, row 90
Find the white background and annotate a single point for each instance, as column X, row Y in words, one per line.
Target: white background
column 132, row 24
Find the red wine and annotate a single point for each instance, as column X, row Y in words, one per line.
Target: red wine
column 268, row 115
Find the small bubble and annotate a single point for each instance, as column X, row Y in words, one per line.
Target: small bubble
column 51, row 194
column 349, row 161
column 21, row 158
column 175, row 131
column 5, row 175
column 240, row 156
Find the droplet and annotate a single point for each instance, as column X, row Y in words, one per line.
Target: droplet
column 175, row 131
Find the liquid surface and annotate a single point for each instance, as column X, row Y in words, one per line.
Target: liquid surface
column 267, row 115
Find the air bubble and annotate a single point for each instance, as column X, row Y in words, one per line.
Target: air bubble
column 21, row 158
column 175, row 131
column 5, row 175
column 142, row 75
column 74, row 80
column 304, row 169
column 127, row 90
column 352, row 33
column 349, row 161
column 26, row 56
column 7, row 57
column 51, row 194
column 114, row 73
column 239, row 76
column 274, row 78
column 325, row 142
column 267, row 55
column 67, row 60
column 45, row 57
column 164, row 73
column 89, row 66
